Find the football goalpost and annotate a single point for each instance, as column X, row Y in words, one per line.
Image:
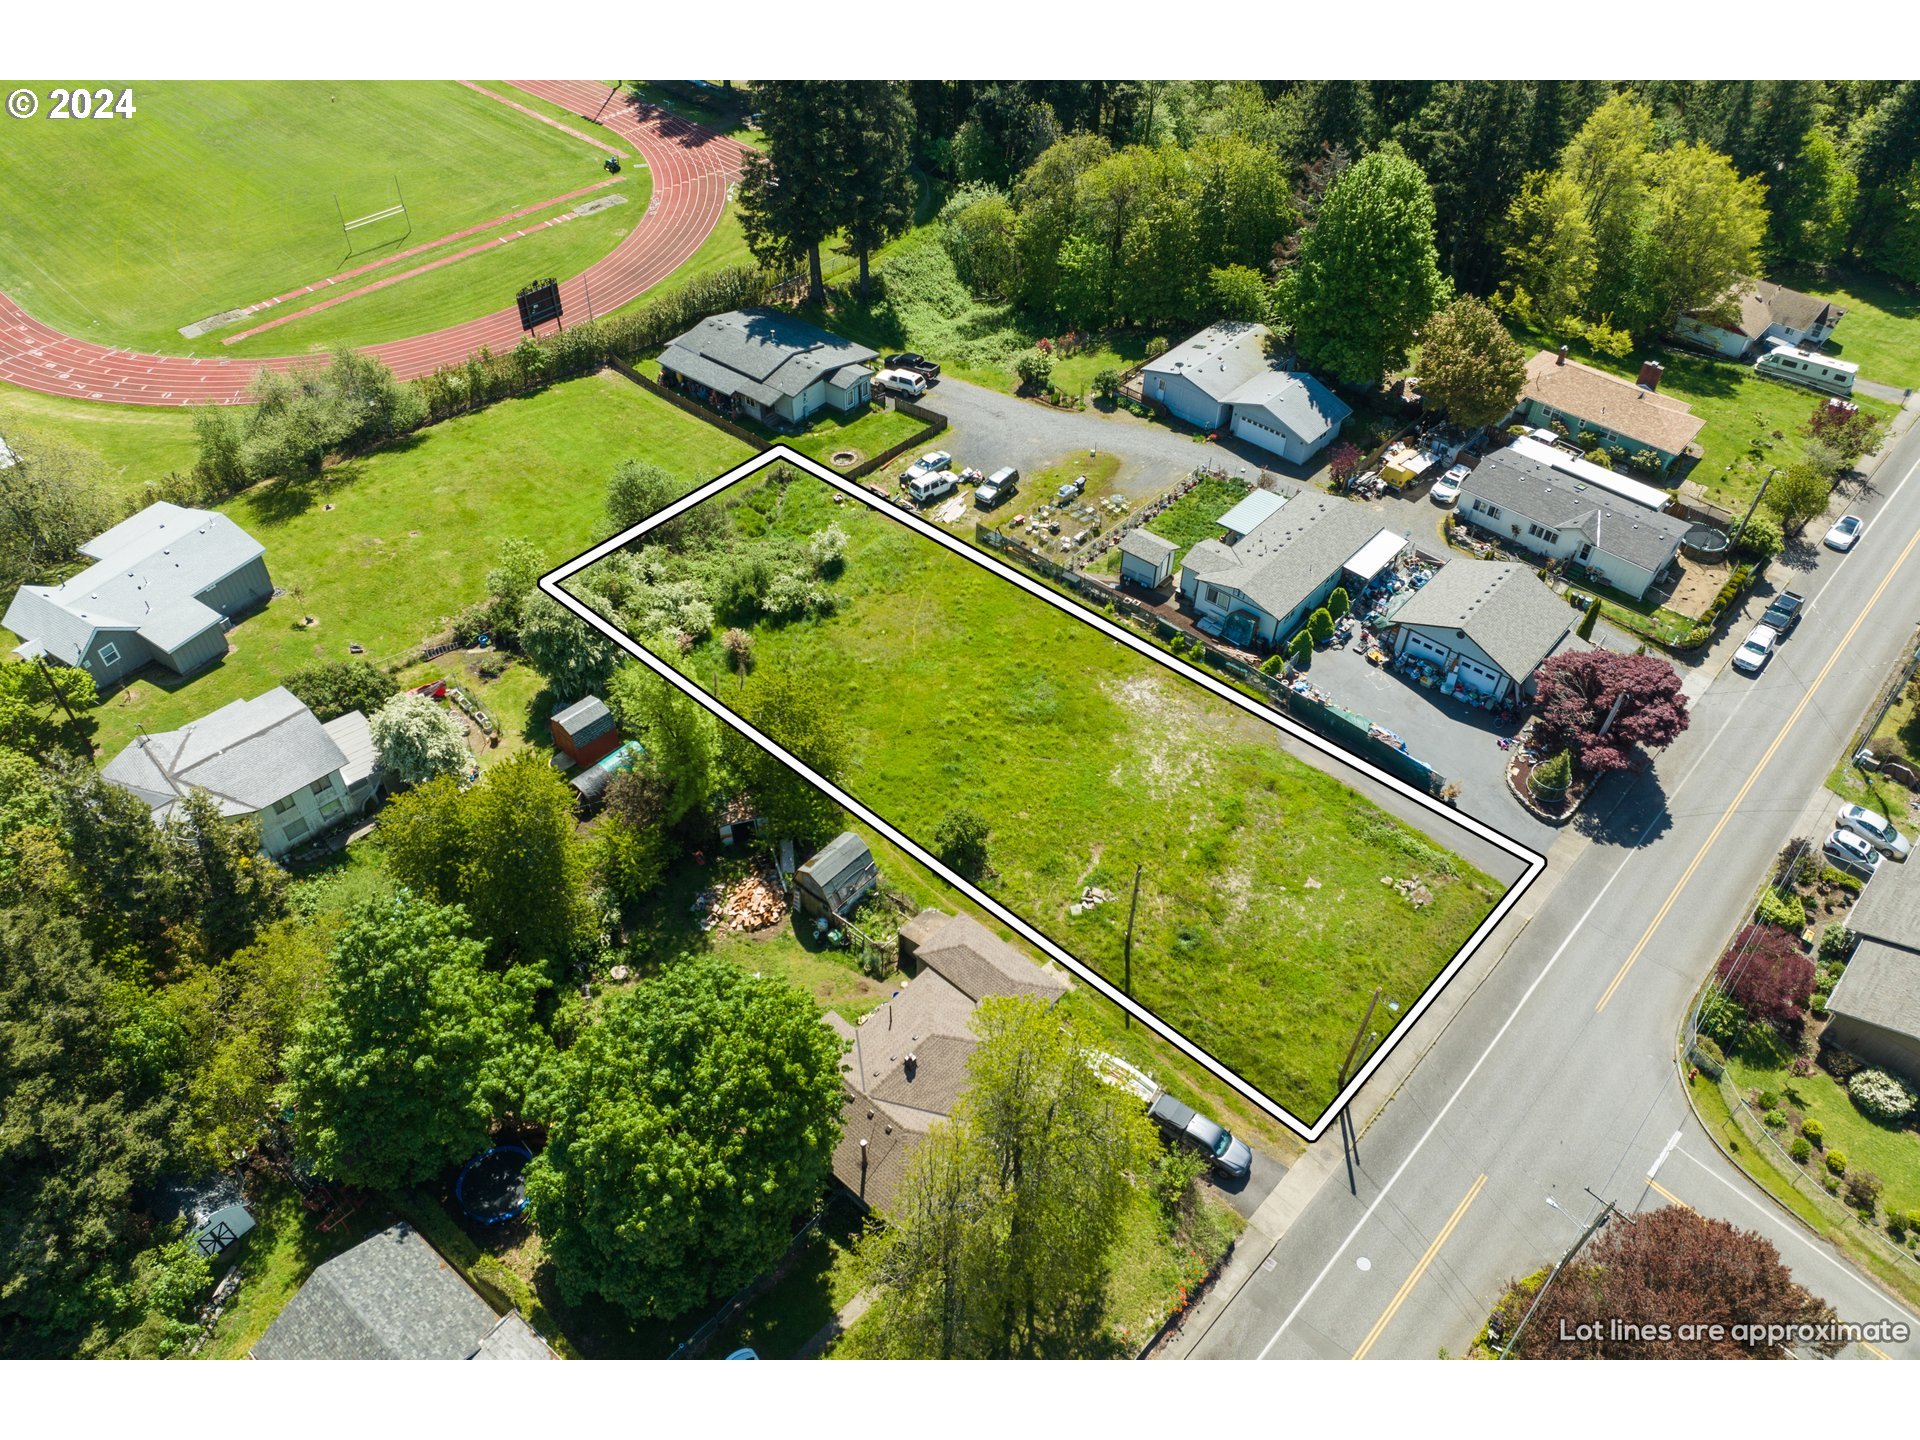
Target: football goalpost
column 352, row 231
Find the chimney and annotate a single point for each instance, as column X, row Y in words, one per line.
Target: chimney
column 1650, row 373
column 1561, row 359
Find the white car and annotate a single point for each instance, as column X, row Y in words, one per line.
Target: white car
column 931, row 463
column 1850, row 852
column 1874, row 828
column 1752, row 655
column 1845, row 531
column 1446, row 489
column 932, row 487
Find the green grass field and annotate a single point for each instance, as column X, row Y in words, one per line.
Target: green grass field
column 136, row 443
column 1264, row 923
column 219, row 194
column 1881, row 329
column 413, row 529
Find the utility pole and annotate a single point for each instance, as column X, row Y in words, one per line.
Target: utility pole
column 1607, row 1207
column 1126, row 983
column 1354, row 1049
column 58, row 694
column 1741, row 528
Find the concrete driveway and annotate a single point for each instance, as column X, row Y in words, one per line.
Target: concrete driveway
column 1246, row 1195
column 1460, row 742
column 989, row 429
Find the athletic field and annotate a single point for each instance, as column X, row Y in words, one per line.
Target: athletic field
column 219, row 195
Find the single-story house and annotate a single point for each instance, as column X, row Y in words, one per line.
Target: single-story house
column 1146, row 559
column 1223, row 379
column 392, row 1297
column 165, row 585
column 1757, row 311
column 1490, row 624
column 1876, row 1005
column 1536, row 507
column 1621, row 414
column 584, row 731
column 906, row 1062
column 769, row 366
column 837, row 877
column 1262, row 584
column 268, row 757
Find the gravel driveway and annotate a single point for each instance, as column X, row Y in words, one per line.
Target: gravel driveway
column 990, row 429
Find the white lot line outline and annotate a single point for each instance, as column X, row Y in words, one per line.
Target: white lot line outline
column 1535, row 863
column 1626, row 859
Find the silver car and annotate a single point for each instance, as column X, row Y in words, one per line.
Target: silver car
column 1848, row 851
column 1874, row 828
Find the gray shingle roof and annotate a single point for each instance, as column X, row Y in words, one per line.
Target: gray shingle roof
column 246, row 755
column 1881, row 986
column 1888, row 910
column 1219, row 360
column 1297, row 401
column 1290, row 554
column 148, row 570
column 354, row 735
column 761, row 354
column 1504, row 608
column 978, row 962
column 1143, row 544
column 1527, row 489
column 389, row 1298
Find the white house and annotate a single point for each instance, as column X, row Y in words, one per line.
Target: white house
column 1488, row 624
column 1261, row 585
column 1757, row 311
column 165, row 585
column 1538, row 508
column 268, row 757
column 769, row 366
column 1223, row 379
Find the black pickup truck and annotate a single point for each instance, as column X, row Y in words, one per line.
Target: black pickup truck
column 1785, row 612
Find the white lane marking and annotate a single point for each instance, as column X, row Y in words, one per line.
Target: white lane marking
column 1672, row 1144
column 1847, row 1270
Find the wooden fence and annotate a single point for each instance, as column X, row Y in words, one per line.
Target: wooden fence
column 932, row 422
column 712, row 417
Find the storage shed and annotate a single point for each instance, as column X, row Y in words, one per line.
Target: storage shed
column 835, row 879
column 590, row 781
column 584, row 731
column 1146, row 558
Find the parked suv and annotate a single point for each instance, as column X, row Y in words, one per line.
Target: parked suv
column 904, row 383
column 1229, row 1156
column 997, row 487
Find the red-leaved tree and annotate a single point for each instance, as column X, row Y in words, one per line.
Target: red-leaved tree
column 1669, row 1284
column 1342, row 460
column 1766, row 972
column 1604, row 706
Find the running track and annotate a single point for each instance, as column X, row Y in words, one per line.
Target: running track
column 691, row 169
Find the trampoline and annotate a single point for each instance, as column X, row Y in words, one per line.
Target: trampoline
column 491, row 1189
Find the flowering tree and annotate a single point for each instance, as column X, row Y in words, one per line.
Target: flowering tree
column 1766, row 972
column 1605, row 707
column 417, row 739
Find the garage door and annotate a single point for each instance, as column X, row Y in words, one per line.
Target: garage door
column 1478, row 677
column 1426, row 649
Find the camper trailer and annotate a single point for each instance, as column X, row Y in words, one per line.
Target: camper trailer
column 1803, row 367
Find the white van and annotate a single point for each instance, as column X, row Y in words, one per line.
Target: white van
column 901, row 382
column 1803, row 367
column 931, row 487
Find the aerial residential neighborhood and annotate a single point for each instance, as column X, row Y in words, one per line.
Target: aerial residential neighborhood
column 1028, row 720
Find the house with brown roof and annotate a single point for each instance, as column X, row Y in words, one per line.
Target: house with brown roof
column 1755, row 312
column 906, row 1062
column 1623, row 415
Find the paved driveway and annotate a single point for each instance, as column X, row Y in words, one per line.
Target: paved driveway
column 1461, row 743
column 990, row 429
column 1245, row 1195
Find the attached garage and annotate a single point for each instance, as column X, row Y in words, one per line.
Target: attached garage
column 1486, row 625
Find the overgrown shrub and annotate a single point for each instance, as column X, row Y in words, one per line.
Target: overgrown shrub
column 1156, row 347
column 1835, row 942
column 1801, row 1149
column 1789, row 913
column 1863, row 1190
column 1836, row 1162
column 1768, row 1099
column 1708, row 1056
column 1775, row 1119
column 1881, row 1096
column 1721, row 1017
column 1814, row 1131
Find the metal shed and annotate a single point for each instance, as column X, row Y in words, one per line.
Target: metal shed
column 837, row 876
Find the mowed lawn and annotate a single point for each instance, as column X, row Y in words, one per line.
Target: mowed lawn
column 1264, row 921
column 219, row 194
column 412, row 531
column 135, row 443
column 1881, row 329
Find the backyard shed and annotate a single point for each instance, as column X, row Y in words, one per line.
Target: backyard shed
column 584, row 731
column 1146, row 558
column 838, row 876
column 224, row 1229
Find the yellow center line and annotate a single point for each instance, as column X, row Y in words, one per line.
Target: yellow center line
column 1875, row 1351
column 1732, row 809
column 1668, row 1195
column 1405, row 1290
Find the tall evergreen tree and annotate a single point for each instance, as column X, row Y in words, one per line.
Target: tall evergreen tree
column 789, row 194
column 876, row 193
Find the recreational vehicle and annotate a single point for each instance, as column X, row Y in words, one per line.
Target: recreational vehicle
column 1803, row 367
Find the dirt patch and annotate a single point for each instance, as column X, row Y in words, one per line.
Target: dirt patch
column 1698, row 585
column 1164, row 755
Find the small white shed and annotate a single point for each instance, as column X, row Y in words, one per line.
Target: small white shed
column 1146, row 559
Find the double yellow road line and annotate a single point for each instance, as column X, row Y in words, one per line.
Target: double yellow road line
column 1400, row 1298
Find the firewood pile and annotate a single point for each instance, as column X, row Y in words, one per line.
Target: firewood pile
column 752, row 902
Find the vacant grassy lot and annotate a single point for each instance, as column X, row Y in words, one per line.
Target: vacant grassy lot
column 1267, row 908
column 137, row 443
column 379, row 551
column 222, row 193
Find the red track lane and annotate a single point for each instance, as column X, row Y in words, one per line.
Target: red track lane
column 691, row 170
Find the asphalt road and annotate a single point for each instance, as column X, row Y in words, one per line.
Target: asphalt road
column 1557, row 1076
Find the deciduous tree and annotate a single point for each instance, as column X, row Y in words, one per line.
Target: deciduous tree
column 1798, row 494
column 418, row 740
column 799, row 716
column 573, row 657
column 53, row 499
column 689, row 1127
column 333, row 688
column 1767, row 973
column 682, row 740
column 1469, row 364
column 1605, row 707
